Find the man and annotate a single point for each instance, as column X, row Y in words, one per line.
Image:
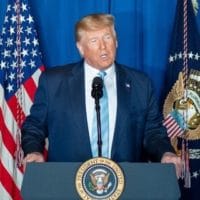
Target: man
column 63, row 109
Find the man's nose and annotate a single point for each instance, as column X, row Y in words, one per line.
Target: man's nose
column 102, row 44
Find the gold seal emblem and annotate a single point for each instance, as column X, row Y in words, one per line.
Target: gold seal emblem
column 99, row 178
column 186, row 112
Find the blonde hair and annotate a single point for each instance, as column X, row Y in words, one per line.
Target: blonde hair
column 93, row 22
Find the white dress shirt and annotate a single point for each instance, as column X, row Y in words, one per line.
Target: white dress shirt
column 110, row 84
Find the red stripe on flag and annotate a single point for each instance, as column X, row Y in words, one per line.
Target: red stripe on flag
column 7, row 137
column 42, row 68
column 30, row 87
column 9, row 184
column 173, row 129
column 14, row 104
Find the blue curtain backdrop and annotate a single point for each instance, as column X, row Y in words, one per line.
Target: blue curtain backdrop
column 144, row 29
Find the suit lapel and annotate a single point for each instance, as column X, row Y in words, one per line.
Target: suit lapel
column 77, row 94
column 124, row 85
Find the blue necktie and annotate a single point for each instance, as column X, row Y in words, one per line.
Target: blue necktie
column 104, row 124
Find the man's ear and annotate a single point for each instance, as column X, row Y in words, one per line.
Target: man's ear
column 79, row 47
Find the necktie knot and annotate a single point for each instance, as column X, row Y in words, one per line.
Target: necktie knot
column 102, row 74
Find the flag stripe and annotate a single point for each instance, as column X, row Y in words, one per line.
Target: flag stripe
column 7, row 138
column 173, row 129
column 28, row 91
column 13, row 103
column 8, row 124
column 31, row 84
column 4, row 194
column 9, row 162
column 8, row 183
column 7, row 151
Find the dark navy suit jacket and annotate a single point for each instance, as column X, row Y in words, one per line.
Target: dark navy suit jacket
column 59, row 113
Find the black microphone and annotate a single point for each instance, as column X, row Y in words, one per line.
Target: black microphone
column 97, row 86
column 97, row 93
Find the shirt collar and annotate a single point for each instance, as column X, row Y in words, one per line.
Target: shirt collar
column 91, row 72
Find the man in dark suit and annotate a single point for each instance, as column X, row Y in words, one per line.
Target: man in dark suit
column 63, row 109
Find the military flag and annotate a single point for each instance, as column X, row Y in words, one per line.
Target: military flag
column 182, row 88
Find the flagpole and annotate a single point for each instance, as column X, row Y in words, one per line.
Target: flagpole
column 185, row 150
column 19, row 117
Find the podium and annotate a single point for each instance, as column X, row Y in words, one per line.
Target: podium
column 143, row 181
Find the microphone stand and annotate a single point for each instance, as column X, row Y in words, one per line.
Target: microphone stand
column 97, row 93
column 99, row 140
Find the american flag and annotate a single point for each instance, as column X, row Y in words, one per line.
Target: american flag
column 173, row 128
column 20, row 68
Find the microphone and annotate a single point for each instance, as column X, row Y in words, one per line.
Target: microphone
column 97, row 86
column 97, row 93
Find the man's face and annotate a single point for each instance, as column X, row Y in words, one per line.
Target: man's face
column 98, row 47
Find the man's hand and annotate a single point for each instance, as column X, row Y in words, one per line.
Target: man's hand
column 33, row 157
column 169, row 157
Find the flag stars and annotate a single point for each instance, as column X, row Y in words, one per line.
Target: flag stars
column 22, row 18
column 6, row 53
column 13, row 18
column 180, row 55
column 21, row 29
column 171, row 58
column 32, row 64
column 15, row 53
column 6, row 19
column 11, row 30
column 14, row 65
column 34, row 53
column 24, row 52
column 175, row 56
column 24, row 7
column 35, row 42
column 26, row 41
column 30, row 19
column 9, row 42
column 19, row 46
column 3, row 65
column 28, row 30
column 9, row 88
column 20, row 76
column 23, row 63
column 184, row 55
column 190, row 55
column 3, row 30
column 196, row 56
column 12, row 76
column 15, row 7
column 8, row 8
column 195, row 174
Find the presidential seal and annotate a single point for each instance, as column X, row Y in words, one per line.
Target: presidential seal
column 185, row 112
column 99, row 178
